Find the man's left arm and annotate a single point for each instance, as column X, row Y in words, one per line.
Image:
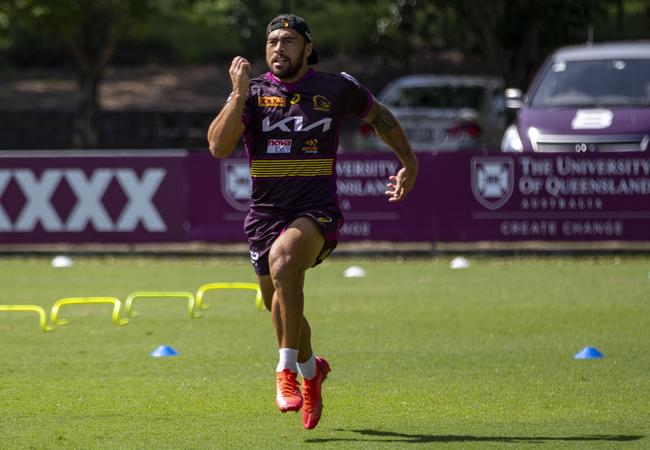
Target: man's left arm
column 391, row 132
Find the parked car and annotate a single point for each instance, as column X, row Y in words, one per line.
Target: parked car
column 446, row 113
column 585, row 99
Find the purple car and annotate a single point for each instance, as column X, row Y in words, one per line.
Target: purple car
column 585, row 99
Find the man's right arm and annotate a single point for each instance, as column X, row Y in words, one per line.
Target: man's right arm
column 226, row 129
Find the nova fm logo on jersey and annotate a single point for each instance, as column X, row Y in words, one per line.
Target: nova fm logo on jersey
column 89, row 208
column 278, row 146
column 492, row 180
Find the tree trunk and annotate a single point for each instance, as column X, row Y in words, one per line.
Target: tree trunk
column 86, row 129
column 91, row 72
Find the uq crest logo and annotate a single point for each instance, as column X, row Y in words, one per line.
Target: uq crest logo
column 236, row 183
column 492, row 180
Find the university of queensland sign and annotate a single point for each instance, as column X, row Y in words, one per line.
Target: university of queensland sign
column 562, row 196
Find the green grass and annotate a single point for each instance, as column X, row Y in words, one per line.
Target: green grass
column 421, row 355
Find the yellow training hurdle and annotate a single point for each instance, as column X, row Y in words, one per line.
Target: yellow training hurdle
column 117, row 304
column 195, row 303
column 128, row 305
column 259, row 303
column 42, row 316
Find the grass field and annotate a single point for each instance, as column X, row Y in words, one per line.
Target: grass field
column 422, row 356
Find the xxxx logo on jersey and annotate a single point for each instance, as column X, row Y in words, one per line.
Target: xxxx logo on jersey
column 271, row 102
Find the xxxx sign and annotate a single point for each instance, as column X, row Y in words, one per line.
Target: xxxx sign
column 93, row 198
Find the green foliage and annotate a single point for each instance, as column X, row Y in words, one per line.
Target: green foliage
column 87, row 27
column 503, row 33
column 421, row 354
column 509, row 38
column 201, row 31
column 5, row 42
column 408, row 29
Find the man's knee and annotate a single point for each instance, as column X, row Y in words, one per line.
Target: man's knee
column 295, row 251
column 284, row 267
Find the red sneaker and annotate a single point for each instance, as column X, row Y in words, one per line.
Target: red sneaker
column 287, row 393
column 313, row 406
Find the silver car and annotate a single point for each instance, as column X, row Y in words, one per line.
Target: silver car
column 446, row 113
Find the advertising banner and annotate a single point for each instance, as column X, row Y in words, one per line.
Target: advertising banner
column 577, row 197
column 93, row 197
column 178, row 196
column 361, row 187
column 221, row 191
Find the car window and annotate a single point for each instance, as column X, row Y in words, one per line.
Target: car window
column 613, row 82
column 435, row 97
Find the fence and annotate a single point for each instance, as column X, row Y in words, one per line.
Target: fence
column 181, row 196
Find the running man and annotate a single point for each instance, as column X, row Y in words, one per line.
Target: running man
column 290, row 119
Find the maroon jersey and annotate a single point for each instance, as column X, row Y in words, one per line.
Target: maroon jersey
column 292, row 135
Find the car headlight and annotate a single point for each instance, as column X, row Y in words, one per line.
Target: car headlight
column 511, row 141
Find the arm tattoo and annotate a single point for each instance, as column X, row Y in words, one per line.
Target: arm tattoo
column 383, row 120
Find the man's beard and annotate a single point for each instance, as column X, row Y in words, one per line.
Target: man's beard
column 291, row 69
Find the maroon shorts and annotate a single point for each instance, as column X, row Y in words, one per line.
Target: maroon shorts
column 262, row 233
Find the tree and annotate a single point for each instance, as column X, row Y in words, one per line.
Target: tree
column 514, row 36
column 407, row 30
column 90, row 30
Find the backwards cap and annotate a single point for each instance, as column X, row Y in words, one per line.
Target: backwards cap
column 295, row 23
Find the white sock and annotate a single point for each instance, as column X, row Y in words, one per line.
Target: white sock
column 308, row 368
column 288, row 360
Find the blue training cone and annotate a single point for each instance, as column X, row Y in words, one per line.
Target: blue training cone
column 588, row 353
column 163, row 350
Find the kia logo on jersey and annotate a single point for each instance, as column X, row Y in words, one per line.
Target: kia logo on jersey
column 295, row 124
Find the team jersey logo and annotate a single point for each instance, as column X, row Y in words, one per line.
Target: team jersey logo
column 310, row 146
column 279, row 146
column 295, row 124
column 295, row 99
column 271, row 102
column 321, row 103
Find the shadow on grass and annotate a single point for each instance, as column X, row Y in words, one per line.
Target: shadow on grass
column 403, row 438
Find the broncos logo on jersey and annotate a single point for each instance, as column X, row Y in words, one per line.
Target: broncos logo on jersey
column 321, row 103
